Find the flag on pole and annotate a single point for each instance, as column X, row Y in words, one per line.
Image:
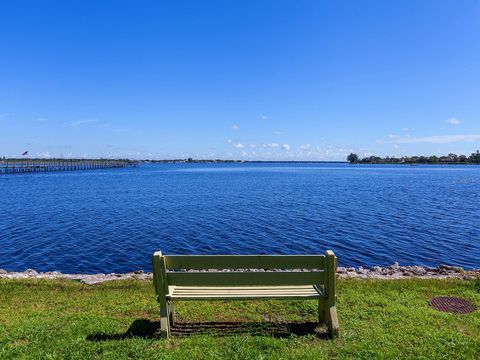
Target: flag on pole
column 25, row 153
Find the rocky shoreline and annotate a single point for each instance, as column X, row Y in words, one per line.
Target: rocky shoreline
column 399, row 272
column 377, row 272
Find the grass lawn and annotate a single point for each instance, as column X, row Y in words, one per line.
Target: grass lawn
column 379, row 319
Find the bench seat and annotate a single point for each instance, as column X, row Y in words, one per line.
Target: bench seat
column 245, row 292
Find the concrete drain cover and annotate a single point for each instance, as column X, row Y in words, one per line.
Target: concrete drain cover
column 452, row 305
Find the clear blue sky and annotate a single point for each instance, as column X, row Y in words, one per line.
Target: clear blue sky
column 239, row 79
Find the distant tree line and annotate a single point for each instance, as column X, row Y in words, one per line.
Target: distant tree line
column 451, row 158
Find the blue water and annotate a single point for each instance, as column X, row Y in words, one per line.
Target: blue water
column 113, row 220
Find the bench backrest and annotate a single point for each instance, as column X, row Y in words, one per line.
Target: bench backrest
column 315, row 270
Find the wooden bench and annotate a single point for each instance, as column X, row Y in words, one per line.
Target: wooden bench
column 277, row 280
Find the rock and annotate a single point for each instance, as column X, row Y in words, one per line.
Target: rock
column 91, row 281
column 418, row 270
column 362, row 271
column 456, row 269
column 53, row 273
column 341, row 270
column 395, row 266
column 31, row 272
column 351, row 269
column 376, row 270
column 3, row 271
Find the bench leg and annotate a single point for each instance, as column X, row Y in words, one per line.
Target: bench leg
column 172, row 313
column 322, row 305
column 332, row 322
column 164, row 318
column 328, row 315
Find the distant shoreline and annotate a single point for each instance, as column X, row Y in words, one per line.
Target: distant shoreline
column 450, row 159
column 193, row 161
column 231, row 161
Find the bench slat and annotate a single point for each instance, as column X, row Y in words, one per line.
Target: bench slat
column 199, row 262
column 193, row 293
column 219, row 293
column 247, row 297
column 244, row 278
column 233, row 287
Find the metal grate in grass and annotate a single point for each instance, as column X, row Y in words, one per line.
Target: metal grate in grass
column 452, row 305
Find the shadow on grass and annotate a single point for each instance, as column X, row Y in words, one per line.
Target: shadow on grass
column 143, row 328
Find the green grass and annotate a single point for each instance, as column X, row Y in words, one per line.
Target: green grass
column 54, row 319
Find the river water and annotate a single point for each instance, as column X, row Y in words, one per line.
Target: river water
column 113, row 220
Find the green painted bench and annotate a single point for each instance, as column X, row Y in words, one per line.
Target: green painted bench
column 316, row 280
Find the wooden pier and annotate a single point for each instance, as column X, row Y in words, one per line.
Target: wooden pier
column 41, row 165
